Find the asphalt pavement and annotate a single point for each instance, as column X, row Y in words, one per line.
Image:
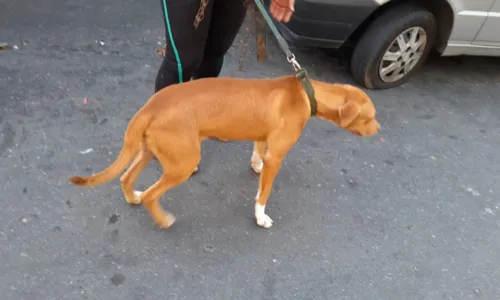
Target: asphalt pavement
column 412, row 213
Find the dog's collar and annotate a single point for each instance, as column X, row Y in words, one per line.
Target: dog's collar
column 308, row 88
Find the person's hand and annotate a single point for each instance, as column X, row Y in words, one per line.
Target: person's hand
column 282, row 10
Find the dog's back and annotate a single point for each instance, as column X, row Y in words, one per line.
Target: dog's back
column 226, row 107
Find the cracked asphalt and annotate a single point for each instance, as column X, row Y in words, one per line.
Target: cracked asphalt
column 413, row 213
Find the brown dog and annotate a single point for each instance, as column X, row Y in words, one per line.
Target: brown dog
column 270, row 112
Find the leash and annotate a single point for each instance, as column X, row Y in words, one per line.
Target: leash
column 301, row 74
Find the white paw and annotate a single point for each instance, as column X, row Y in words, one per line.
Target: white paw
column 264, row 221
column 167, row 221
column 137, row 197
column 256, row 162
column 257, row 166
column 261, row 218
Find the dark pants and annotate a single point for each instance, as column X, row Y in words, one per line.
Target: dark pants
column 197, row 52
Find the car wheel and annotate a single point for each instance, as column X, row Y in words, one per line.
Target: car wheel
column 394, row 47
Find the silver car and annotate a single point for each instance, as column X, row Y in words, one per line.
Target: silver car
column 390, row 39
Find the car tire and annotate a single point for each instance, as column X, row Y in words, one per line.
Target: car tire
column 378, row 47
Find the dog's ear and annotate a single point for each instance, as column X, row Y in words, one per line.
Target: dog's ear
column 348, row 113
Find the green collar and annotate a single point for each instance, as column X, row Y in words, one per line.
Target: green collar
column 308, row 88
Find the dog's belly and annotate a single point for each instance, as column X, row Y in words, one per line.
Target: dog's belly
column 235, row 136
column 242, row 131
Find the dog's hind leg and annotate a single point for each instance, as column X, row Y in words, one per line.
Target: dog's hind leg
column 178, row 161
column 130, row 176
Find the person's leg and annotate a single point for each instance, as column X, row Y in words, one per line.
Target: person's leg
column 226, row 20
column 184, row 42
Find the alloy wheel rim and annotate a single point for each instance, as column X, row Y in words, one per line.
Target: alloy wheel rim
column 403, row 54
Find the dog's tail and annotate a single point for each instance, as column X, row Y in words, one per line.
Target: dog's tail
column 134, row 135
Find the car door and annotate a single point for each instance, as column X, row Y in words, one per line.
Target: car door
column 470, row 16
column 489, row 34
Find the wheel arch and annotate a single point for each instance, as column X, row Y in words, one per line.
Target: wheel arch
column 440, row 8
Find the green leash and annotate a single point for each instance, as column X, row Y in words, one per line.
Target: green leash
column 301, row 74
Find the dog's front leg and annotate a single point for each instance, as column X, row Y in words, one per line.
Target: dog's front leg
column 276, row 151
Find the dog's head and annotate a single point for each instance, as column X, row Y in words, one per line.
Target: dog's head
column 350, row 108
